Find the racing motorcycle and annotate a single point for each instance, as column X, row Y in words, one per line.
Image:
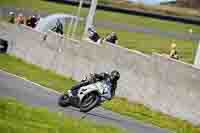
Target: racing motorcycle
column 87, row 98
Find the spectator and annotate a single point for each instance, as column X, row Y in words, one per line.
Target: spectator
column 11, row 17
column 93, row 35
column 112, row 38
column 173, row 52
column 28, row 21
column 33, row 21
column 38, row 18
column 58, row 28
column 20, row 19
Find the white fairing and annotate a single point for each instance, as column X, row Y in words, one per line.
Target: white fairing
column 103, row 88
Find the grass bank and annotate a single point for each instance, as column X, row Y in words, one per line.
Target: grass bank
column 40, row 5
column 44, row 77
column 60, row 83
column 148, row 43
column 19, row 118
column 145, row 114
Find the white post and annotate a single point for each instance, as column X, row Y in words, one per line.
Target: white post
column 77, row 19
column 197, row 58
column 90, row 17
column 70, row 27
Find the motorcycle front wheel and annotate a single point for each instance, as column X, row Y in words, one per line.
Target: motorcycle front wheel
column 64, row 100
column 89, row 102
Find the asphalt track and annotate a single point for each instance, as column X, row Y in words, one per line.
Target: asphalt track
column 35, row 95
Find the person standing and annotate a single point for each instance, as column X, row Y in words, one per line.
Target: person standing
column 58, row 28
column 173, row 52
column 12, row 17
column 112, row 38
column 33, row 21
column 93, row 35
column 20, row 19
column 28, row 21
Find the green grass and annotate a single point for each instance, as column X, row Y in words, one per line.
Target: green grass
column 20, row 118
column 60, row 83
column 140, row 21
column 148, row 43
column 32, row 72
column 137, row 41
column 164, row 9
column 145, row 114
column 40, row 5
column 158, row 8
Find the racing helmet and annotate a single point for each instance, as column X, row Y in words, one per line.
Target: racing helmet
column 115, row 75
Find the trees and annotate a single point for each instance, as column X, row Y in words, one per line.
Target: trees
column 189, row 3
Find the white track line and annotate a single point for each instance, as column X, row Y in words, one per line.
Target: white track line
column 36, row 84
column 54, row 91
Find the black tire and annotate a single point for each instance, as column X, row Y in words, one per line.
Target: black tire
column 86, row 105
column 64, row 100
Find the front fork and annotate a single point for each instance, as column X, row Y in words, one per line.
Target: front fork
column 74, row 100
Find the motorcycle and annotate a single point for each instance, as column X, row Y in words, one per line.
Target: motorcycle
column 87, row 98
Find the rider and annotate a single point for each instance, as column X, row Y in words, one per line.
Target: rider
column 109, row 78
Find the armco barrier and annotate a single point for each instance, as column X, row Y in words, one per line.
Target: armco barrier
column 161, row 83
